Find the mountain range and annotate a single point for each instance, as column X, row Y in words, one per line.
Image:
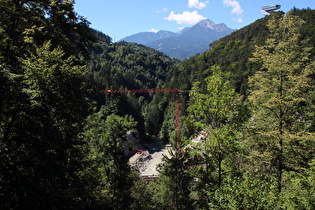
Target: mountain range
column 185, row 43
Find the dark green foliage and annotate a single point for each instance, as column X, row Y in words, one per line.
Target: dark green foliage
column 39, row 131
column 172, row 190
column 54, row 156
column 107, row 162
column 132, row 66
column 141, row 193
column 102, row 37
column 129, row 66
column 307, row 31
column 43, row 104
column 28, row 24
column 245, row 192
column 214, row 111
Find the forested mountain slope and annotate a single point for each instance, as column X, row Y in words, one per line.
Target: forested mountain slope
column 128, row 65
column 251, row 106
column 232, row 52
column 132, row 66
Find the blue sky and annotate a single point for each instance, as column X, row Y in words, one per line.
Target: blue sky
column 121, row 18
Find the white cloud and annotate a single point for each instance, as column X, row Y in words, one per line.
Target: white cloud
column 239, row 20
column 163, row 10
column 186, row 18
column 153, row 30
column 197, row 4
column 236, row 7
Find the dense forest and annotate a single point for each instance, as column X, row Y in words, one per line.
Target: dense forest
column 252, row 105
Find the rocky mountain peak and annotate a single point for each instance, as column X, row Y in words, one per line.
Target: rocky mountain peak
column 185, row 43
column 207, row 24
column 210, row 25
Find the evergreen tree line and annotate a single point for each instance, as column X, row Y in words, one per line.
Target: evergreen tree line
column 252, row 107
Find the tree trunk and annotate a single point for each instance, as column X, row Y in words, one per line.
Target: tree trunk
column 280, row 164
column 220, row 162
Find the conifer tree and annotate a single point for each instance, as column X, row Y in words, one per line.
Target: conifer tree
column 280, row 94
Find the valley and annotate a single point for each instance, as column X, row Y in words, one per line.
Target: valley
column 241, row 138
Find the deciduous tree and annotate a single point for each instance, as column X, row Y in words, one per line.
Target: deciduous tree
column 39, row 129
column 215, row 110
